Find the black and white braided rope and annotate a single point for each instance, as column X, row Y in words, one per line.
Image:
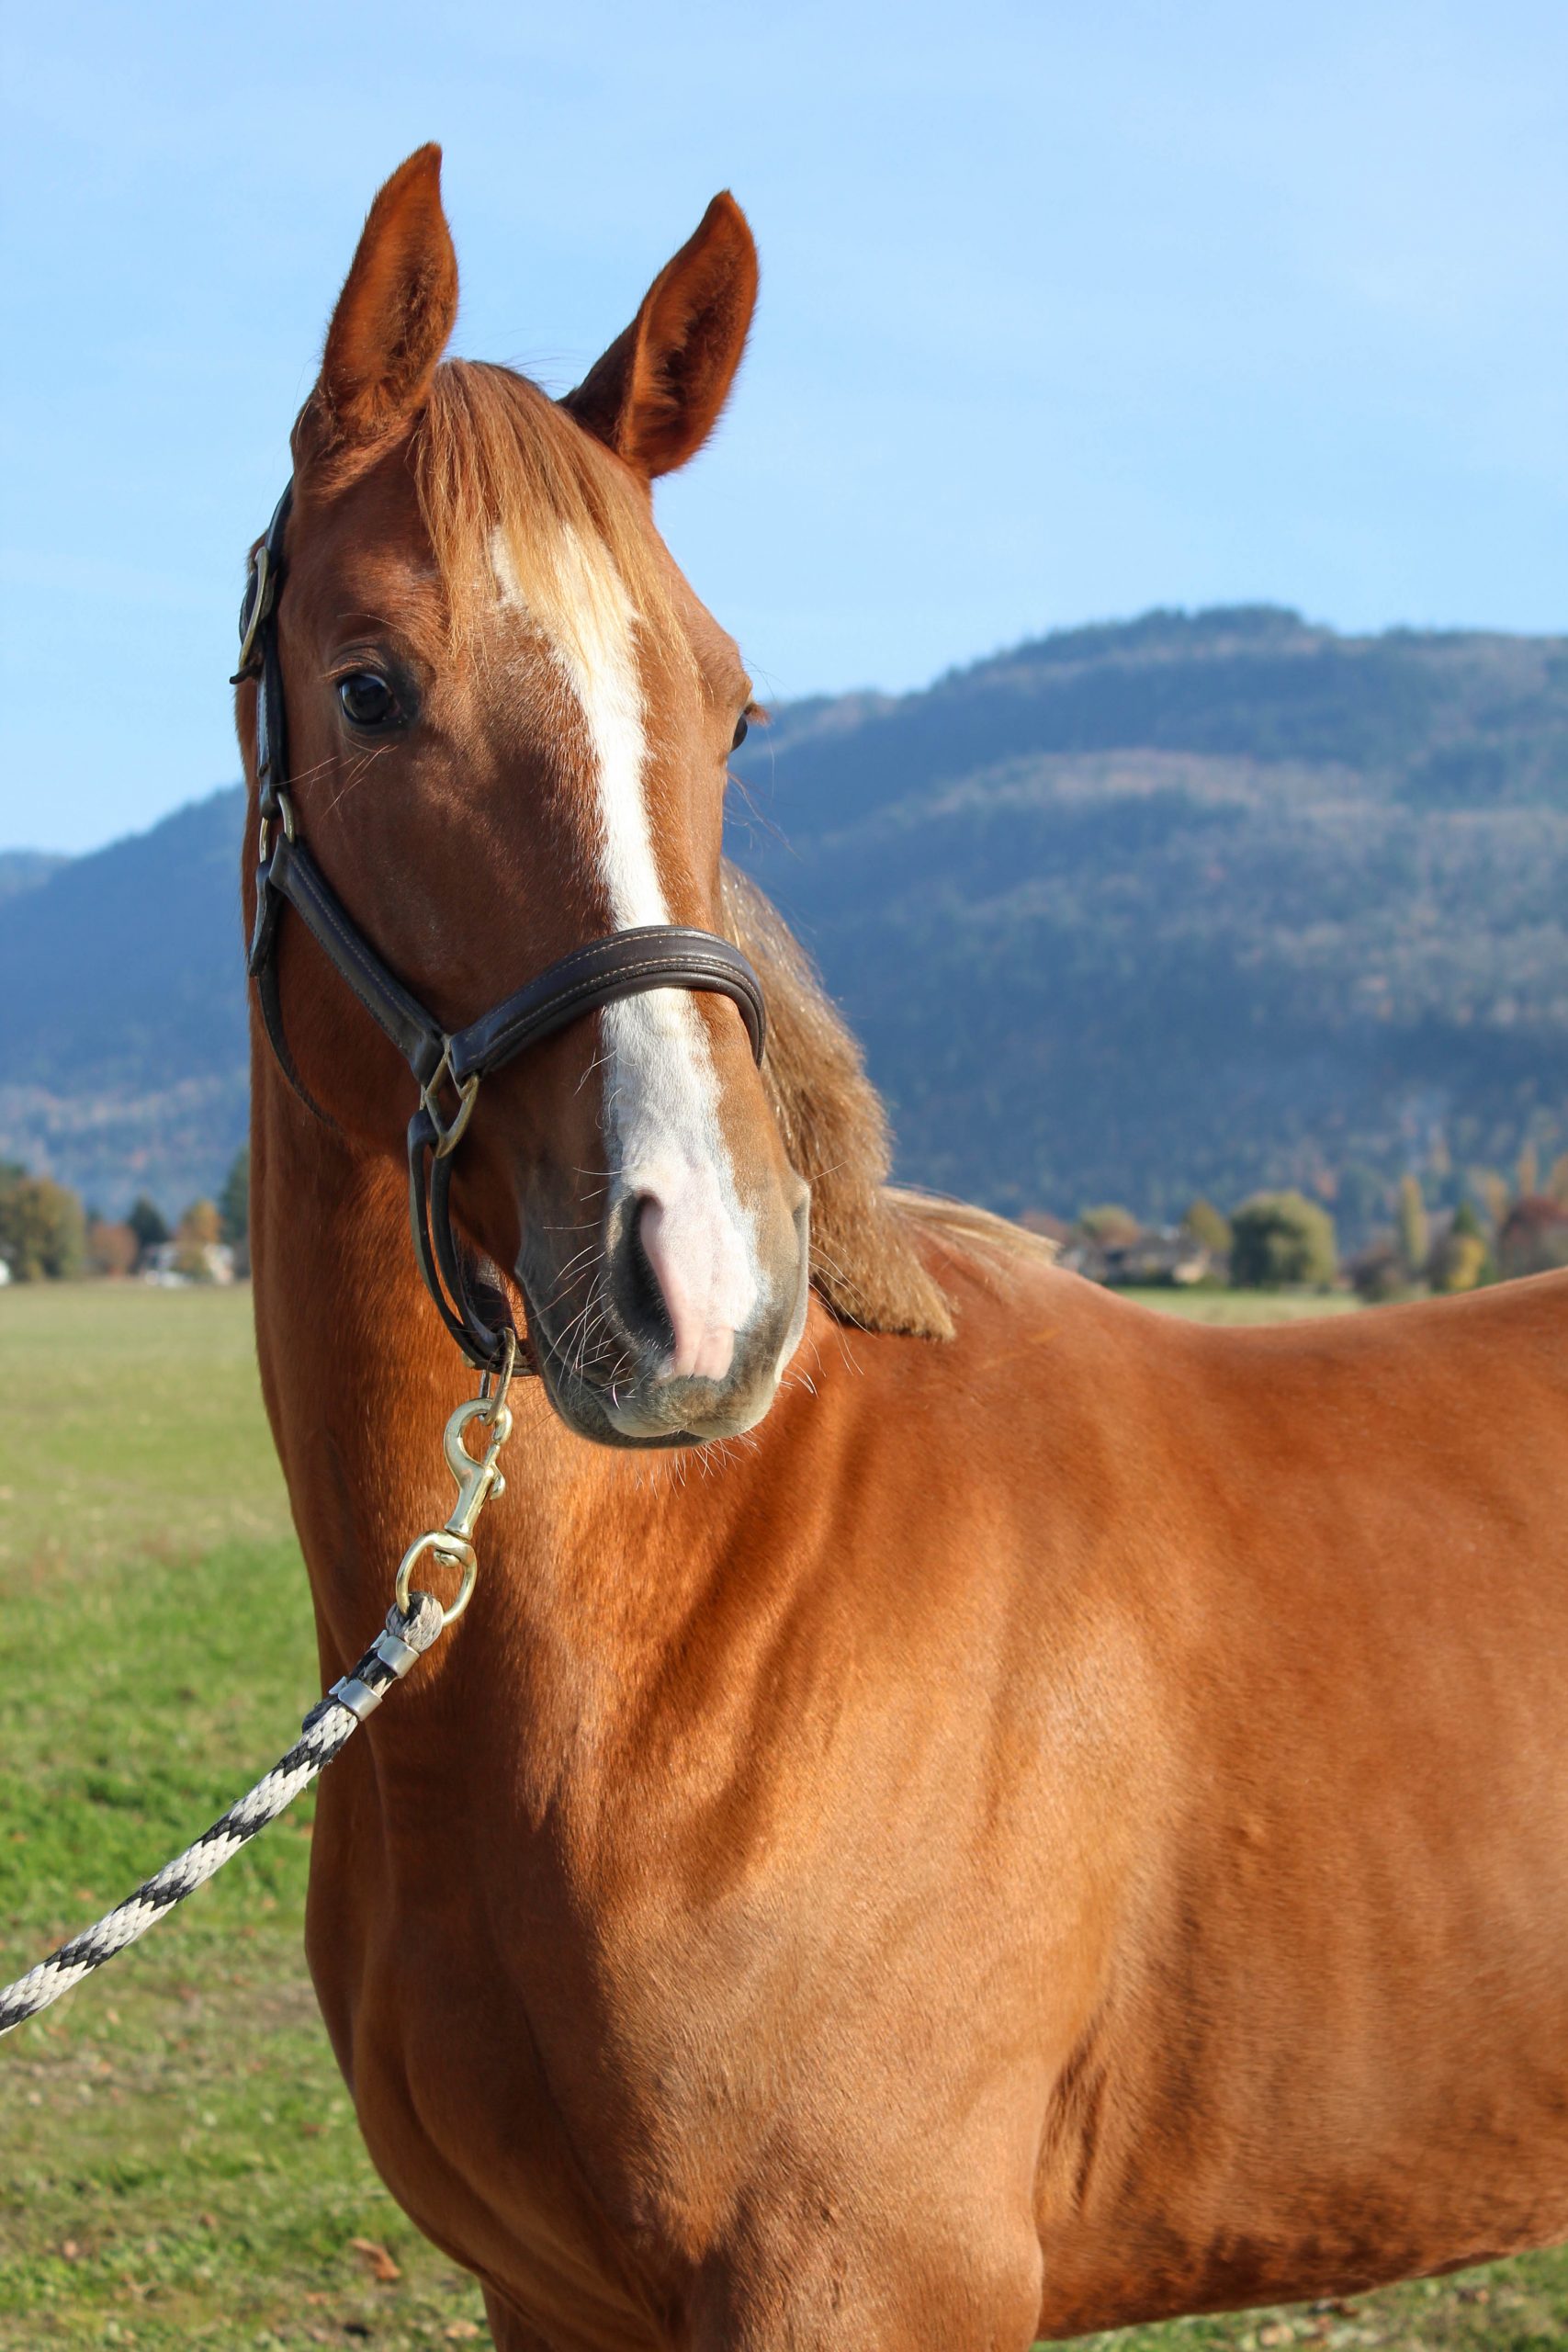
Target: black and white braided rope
column 326, row 1730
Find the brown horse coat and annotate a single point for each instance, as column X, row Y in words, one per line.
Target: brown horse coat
column 1067, row 1821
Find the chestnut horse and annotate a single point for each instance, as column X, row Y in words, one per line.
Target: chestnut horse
column 1064, row 1823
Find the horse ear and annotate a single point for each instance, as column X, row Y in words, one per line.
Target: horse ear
column 656, row 394
column 393, row 320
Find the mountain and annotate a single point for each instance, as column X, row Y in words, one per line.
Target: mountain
column 23, row 869
column 1193, row 902
column 123, row 1054
column 1199, row 902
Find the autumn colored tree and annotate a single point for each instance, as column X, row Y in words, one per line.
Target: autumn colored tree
column 195, row 1235
column 43, row 1234
column 112, row 1248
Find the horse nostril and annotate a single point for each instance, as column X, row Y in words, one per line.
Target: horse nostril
column 642, row 1301
column 679, row 1255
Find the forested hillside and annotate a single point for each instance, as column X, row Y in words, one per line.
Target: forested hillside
column 123, row 1060
column 1197, row 902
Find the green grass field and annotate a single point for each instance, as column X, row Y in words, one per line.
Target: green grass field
column 1247, row 1305
column 178, row 2161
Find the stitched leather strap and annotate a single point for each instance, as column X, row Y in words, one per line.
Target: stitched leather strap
column 293, row 874
column 439, row 1255
column 625, row 963
column 622, row 964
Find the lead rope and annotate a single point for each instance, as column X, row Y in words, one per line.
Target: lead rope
column 414, row 1624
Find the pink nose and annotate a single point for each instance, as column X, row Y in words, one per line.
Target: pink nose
column 705, row 1339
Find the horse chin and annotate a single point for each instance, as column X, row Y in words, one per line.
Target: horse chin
column 645, row 1413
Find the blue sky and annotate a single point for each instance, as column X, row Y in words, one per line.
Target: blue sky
column 1068, row 310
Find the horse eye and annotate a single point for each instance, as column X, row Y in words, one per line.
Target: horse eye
column 368, row 700
column 741, row 731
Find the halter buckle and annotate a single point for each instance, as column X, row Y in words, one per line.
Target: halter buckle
column 258, row 604
column 449, row 1134
column 284, row 808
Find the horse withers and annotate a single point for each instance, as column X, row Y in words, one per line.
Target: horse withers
column 961, row 1810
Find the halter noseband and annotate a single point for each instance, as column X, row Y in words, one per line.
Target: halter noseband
column 448, row 1066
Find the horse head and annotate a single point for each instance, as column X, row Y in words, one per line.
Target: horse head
column 509, row 720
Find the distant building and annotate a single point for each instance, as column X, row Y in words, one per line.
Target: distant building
column 1153, row 1261
column 214, row 1263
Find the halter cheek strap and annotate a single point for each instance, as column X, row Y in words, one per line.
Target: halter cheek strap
column 448, row 1066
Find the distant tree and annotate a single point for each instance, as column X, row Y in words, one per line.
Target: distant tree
column 234, row 1200
column 1208, row 1227
column 148, row 1225
column 234, row 1210
column 112, row 1248
column 43, row 1234
column 1493, row 1190
column 1414, row 1234
column 1461, row 1259
column 1376, row 1273
column 1280, row 1240
column 1110, row 1226
column 197, row 1231
column 1533, row 1237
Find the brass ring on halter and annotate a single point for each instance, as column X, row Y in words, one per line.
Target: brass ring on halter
column 493, row 1385
column 450, row 1548
column 448, row 1135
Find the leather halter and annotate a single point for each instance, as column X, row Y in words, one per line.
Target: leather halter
column 448, row 1065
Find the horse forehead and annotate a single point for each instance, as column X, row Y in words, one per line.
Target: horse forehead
column 566, row 587
column 350, row 574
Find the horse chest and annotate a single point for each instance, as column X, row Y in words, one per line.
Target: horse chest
column 579, row 2079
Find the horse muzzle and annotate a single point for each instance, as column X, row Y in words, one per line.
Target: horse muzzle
column 680, row 1334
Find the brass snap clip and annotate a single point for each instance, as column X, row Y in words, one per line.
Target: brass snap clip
column 478, row 1477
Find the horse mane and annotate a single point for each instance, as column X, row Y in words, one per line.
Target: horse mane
column 491, row 451
column 871, row 1242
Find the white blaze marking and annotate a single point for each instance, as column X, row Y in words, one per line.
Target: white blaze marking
column 662, row 1091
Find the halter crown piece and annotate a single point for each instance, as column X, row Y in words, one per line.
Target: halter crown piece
column 448, row 1065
